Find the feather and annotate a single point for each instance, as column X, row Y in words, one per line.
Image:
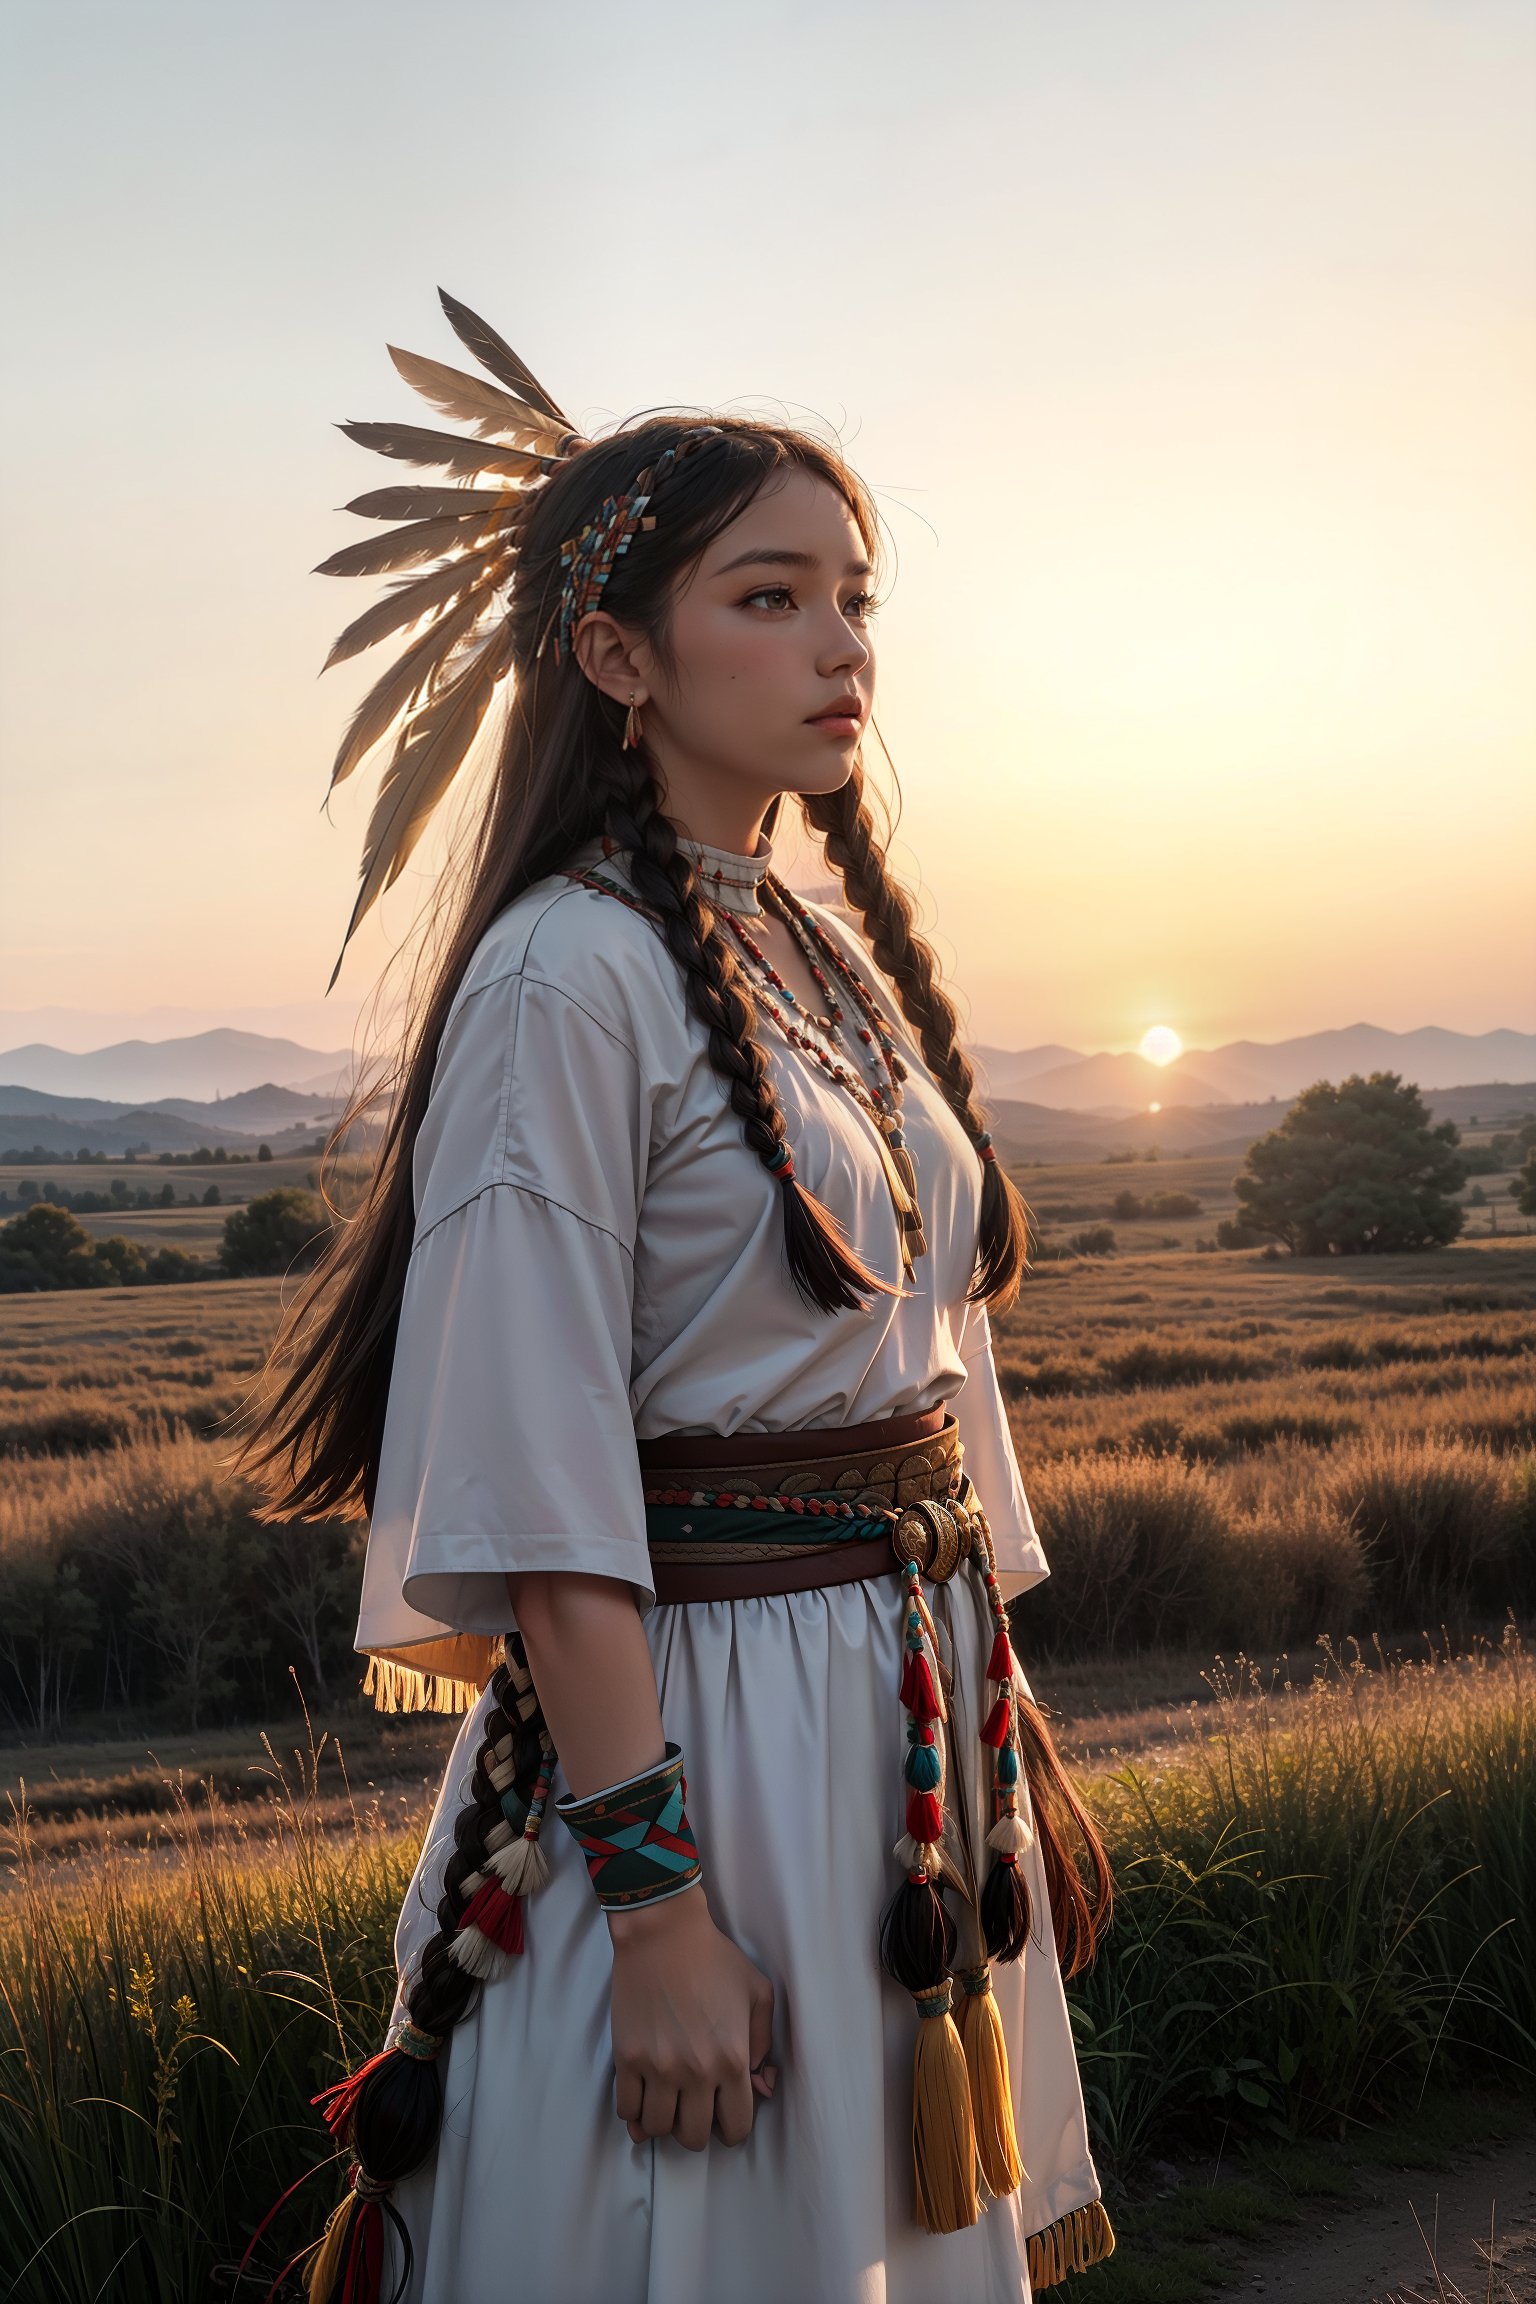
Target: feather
column 414, row 597
column 473, row 401
column 389, row 696
column 403, row 547
column 497, row 356
column 415, row 444
column 433, row 747
column 429, row 503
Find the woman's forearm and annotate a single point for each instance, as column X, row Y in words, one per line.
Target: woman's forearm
column 591, row 1664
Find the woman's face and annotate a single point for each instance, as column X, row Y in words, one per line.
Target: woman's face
column 773, row 666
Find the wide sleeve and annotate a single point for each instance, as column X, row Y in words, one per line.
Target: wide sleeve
column 991, row 1462
column 509, row 1439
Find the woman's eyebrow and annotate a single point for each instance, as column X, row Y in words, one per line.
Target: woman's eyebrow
column 783, row 559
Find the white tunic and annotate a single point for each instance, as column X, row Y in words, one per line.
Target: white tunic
column 598, row 1255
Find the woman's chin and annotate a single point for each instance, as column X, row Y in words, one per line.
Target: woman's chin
column 828, row 773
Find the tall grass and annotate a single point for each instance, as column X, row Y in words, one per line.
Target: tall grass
column 162, row 2028
column 1147, row 1546
column 1326, row 1898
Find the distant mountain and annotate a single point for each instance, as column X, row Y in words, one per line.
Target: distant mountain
column 1249, row 1071
column 1040, row 1132
column 127, row 1131
column 1126, row 1084
column 1006, row 1070
column 1430, row 1056
column 205, row 1065
column 261, row 1108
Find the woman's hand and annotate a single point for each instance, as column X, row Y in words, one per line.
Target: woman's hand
column 692, row 2018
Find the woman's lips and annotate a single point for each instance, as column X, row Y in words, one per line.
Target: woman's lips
column 838, row 723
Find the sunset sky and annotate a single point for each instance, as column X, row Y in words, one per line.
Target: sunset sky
column 1190, row 349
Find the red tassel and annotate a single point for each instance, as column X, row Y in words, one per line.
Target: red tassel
column 497, row 1915
column 1001, row 1666
column 908, row 1687
column 923, row 1699
column 338, row 2113
column 362, row 2278
column 925, row 1817
column 996, row 1729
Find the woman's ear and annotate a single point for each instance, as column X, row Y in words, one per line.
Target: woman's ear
column 610, row 658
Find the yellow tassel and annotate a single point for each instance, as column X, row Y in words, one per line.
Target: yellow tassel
column 1083, row 2237
column 398, row 1687
column 943, row 2133
column 986, row 2061
column 326, row 2268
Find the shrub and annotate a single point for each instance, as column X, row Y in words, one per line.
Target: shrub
column 48, row 1248
column 1440, row 1524
column 1155, row 1361
column 1296, row 1570
column 1130, row 1206
column 170, row 1266
column 197, row 1593
column 1096, row 1240
column 1231, row 1232
column 1134, row 1540
column 281, row 1231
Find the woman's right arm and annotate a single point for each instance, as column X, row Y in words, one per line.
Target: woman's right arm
column 509, row 1470
column 691, row 2015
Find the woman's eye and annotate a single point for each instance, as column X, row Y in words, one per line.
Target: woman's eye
column 779, row 595
column 862, row 604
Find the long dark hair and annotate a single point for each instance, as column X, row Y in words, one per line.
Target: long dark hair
column 562, row 776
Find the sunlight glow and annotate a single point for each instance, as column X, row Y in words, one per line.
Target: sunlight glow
column 1160, row 1044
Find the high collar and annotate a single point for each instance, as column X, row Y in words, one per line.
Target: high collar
column 729, row 881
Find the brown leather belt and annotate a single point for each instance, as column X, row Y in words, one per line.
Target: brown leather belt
column 903, row 1466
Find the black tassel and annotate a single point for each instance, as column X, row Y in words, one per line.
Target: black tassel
column 823, row 1267
column 917, row 1937
column 1005, row 1914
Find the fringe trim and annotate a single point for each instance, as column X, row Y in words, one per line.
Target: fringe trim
column 401, row 1688
column 1082, row 2237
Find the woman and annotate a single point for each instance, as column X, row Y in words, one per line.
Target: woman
column 660, row 1358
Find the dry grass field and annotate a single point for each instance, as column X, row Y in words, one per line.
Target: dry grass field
column 1228, row 1456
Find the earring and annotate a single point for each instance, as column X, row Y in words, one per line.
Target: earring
column 631, row 724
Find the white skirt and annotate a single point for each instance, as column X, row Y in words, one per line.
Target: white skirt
column 793, row 1739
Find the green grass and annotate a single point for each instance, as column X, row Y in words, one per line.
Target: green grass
column 1325, row 1913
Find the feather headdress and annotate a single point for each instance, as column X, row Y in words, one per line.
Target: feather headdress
column 460, row 540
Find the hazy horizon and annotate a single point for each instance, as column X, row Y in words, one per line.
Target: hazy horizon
column 1189, row 353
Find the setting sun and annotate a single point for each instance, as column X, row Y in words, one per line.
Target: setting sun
column 1160, row 1044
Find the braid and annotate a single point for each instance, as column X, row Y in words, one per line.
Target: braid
column 824, row 1268
column 395, row 2108
column 844, row 820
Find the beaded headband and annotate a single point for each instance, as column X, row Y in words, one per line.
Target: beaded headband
column 460, row 543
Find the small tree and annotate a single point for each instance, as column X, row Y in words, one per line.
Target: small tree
column 47, row 1623
column 1524, row 1186
column 1354, row 1169
column 281, row 1231
column 187, row 1602
column 49, row 1248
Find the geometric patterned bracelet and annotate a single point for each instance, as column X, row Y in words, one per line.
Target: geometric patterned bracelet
column 636, row 1838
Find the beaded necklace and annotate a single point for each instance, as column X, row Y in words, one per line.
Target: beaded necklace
column 869, row 1042
column 881, row 1101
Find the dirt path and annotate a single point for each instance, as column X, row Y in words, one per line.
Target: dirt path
column 1370, row 2251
